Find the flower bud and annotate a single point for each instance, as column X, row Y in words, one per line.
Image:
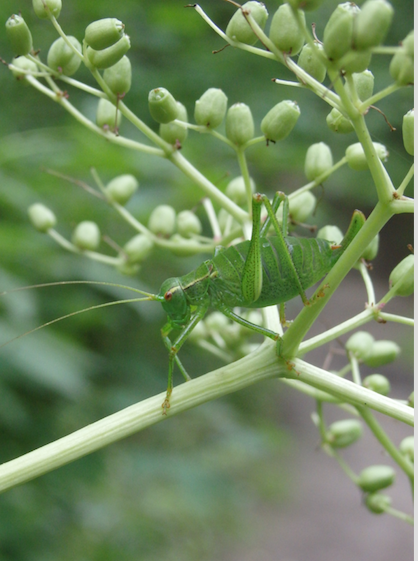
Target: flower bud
column 19, row 35
column 330, row 233
column 356, row 158
column 403, row 271
column 408, row 132
column 285, row 32
column 360, row 344
column 318, row 160
column 343, row 433
column 109, row 56
column 239, row 126
column 406, row 448
column 377, row 383
column 162, row 105
column 239, row 29
column 300, row 207
column 374, row 478
column 372, row 24
column 162, row 221
column 44, row 8
column 182, row 247
column 103, row 33
column 188, row 224
column 377, row 502
column 310, row 63
column 138, row 248
column 408, row 44
column 62, row 58
column 355, row 62
column 236, row 190
column 307, row 5
column 280, row 120
column 382, row 352
column 121, row 188
column 25, row 65
column 86, row 236
column 402, row 68
column 339, row 30
column 107, row 116
column 372, row 249
column 172, row 132
column 119, row 76
column 363, row 83
column 42, row 218
column 210, row 109
column 338, row 123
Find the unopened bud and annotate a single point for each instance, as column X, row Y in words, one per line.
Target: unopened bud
column 238, row 27
column 318, row 160
column 119, row 76
column 377, row 383
column 285, row 32
column 406, row 448
column 402, row 64
column 19, row 35
column 210, row 109
column 355, row 62
column 408, row 132
column 62, row 58
column 188, row 224
column 378, row 502
column 86, row 236
column 363, row 83
column 162, row 105
column 280, row 120
column 344, row 433
column 360, row 344
column 330, row 233
column 382, row 352
column 300, row 207
column 404, row 272
column 121, row 188
column 236, row 190
column 138, row 248
column 339, row 30
column 42, row 218
column 408, row 44
column 338, row 123
column 44, row 8
column 311, row 63
column 162, row 221
column 103, row 33
column 372, row 24
column 174, row 133
column 239, row 126
column 23, row 67
column 356, row 158
column 372, row 249
column 107, row 116
column 374, row 478
column 109, row 56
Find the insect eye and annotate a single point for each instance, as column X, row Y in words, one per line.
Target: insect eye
column 168, row 296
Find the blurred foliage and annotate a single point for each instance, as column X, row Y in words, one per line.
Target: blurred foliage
column 181, row 489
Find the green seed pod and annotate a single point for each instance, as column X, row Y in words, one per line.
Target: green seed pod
column 138, row 248
column 188, row 224
column 86, row 236
column 372, row 24
column 25, row 65
column 103, row 33
column 372, row 249
column 162, row 221
column 377, row 502
column 119, row 76
column 236, row 191
column 301, row 206
column 280, row 120
column 408, row 132
column 162, row 105
column 343, row 433
column 42, row 218
column 360, row 344
column 107, row 116
column 407, row 447
column 408, row 44
column 311, row 63
column 210, row 109
column 355, row 62
column 402, row 69
column 411, row 399
column 382, row 352
column 363, row 83
column 285, row 32
column 19, row 35
column 109, row 56
column 356, row 158
column 239, row 126
column 374, row 478
column 318, row 160
column 403, row 270
column 62, row 58
column 121, row 188
column 377, row 383
column 43, row 8
column 172, row 132
column 339, row 30
column 306, row 5
column 331, row 233
column 238, row 29
column 338, row 123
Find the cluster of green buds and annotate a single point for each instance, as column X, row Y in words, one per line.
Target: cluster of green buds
column 364, row 348
column 106, row 42
column 165, row 223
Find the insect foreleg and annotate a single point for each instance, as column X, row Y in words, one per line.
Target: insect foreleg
column 256, row 328
column 278, row 198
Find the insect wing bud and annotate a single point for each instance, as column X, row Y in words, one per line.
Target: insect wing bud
column 138, row 248
column 42, row 218
column 210, row 109
column 162, row 106
column 62, row 58
column 356, row 158
column 188, row 224
column 378, row 502
column 374, row 478
column 238, row 27
column 372, row 249
column 280, row 120
column 173, row 132
column 318, row 160
column 19, row 35
column 372, row 24
column 162, row 221
column 109, row 56
column 285, row 32
column 339, row 30
column 382, row 352
column 121, row 188
column 103, row 33
column 107, row 116
column 86, row 236
column 408, row 132
column 311, row 63
column 338, row 123
column 404, row 274
column 406, row 448
column 236, row 190
column 360, row 344
column 239, row 126
column 330, row 233
column 44, row 8
column 119, row 76
column 343, row 433
column 25, row 66
column 377, row 383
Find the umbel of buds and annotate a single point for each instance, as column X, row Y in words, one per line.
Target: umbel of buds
column 44, row 8
column 210, row 109
column 162, row 105
column 285, row 32
column 62, row 58
column 19, row 35
column 238, row 27
column 280, row 120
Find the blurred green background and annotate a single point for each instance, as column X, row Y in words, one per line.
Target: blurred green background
column 187, row 488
